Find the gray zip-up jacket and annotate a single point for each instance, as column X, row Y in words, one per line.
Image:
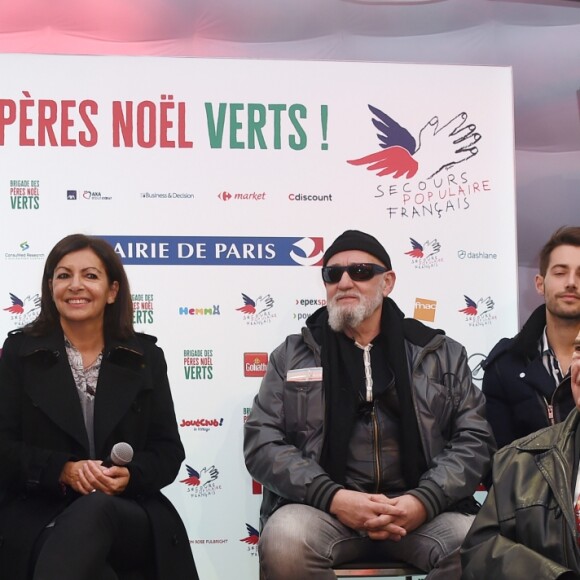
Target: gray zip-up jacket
column 285, row 430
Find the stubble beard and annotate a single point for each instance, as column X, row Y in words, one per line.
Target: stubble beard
column 571, row 314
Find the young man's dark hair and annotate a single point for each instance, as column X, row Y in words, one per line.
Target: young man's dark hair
column 564, row 236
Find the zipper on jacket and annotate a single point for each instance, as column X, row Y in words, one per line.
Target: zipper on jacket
column 565, row 532
column 549, row 410
column 376, row 446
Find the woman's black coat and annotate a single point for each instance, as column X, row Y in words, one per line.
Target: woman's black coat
column 42, row 427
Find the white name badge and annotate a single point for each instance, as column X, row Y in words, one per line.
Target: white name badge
column 304, row 375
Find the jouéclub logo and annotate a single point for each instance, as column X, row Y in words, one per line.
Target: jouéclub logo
column 202, row 424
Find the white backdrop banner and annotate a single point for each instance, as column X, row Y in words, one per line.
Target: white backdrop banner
column 220, row 183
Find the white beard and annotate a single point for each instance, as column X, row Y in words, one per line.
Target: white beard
column 341, row 317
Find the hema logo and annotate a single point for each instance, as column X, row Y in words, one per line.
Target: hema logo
column 425, row 309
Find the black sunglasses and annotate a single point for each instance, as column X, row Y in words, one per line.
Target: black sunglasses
column 356, row 272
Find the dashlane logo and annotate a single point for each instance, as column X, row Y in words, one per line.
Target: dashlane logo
column 215, row 250
column 466, row 255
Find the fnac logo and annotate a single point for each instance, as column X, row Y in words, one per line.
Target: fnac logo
column 255, row 364
column 225, row 195
column 308, row 251
column 425, row 309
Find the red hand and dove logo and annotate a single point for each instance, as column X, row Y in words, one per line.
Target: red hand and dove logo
column 439, row 146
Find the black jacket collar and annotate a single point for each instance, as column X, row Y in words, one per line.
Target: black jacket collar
column 51, row 384
column 525, row 343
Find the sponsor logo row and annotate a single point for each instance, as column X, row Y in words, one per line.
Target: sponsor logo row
column 246, row 251
column 25, row 195
column 255, row 311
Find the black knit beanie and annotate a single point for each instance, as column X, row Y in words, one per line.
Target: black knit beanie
column 356, row 240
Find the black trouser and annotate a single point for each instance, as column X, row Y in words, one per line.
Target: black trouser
column 97, row 537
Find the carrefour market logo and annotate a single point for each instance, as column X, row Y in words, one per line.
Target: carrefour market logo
column 215, row 250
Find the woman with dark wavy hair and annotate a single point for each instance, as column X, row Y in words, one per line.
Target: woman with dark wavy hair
column 73, row 383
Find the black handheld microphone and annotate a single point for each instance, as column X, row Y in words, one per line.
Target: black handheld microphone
column 121, row 454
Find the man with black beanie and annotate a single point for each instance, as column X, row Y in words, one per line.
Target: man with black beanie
column 367, row 432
